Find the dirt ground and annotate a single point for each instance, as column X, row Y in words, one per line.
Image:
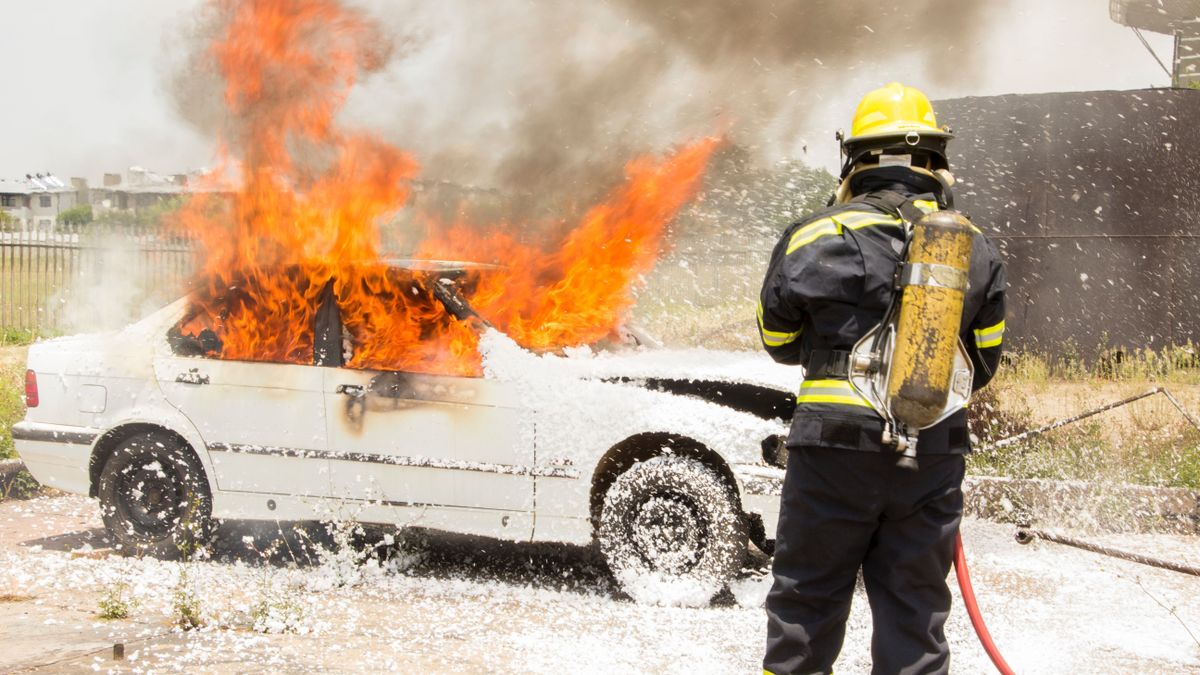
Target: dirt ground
column 453, row 605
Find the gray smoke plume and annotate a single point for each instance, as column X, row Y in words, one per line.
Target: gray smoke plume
column 545, row 101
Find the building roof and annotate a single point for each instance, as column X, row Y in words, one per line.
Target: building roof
column 35, row 184
column 138, row 180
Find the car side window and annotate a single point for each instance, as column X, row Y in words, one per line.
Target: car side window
column 203, row 342
column 392, row 322
column 369, row 318
column 190, row 337
column 231, row 325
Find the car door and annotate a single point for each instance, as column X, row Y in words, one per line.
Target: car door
column 412, row 439
column 263, row 423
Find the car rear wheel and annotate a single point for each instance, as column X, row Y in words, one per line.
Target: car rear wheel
column 154, row 498
column 672, row 532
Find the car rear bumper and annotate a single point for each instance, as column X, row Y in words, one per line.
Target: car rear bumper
column 56, row 455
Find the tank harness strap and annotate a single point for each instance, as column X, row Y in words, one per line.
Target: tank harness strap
column 900, row 206
column 828, row 364
column 894, row 203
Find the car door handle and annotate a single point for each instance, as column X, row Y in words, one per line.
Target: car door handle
column 350, row 389
column 192, row 376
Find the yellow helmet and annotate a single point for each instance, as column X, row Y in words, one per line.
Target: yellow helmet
column 894, row 120
column 894, row 110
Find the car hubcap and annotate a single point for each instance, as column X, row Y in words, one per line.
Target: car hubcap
column 150, row 499
column 669, row 533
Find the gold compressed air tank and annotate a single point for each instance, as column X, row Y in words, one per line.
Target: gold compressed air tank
column 933, row 285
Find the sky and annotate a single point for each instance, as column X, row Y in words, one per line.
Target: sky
column 88, row 82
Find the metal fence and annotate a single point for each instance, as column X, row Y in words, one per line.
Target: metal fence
column 87, row 277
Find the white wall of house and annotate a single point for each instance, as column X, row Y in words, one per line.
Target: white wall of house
column 47, row 205
column 16, row 206
column 37, row 211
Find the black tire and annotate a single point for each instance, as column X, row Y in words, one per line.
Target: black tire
column 672, row 532
column 154, row 498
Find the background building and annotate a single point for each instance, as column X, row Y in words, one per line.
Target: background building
column 139, row 189
column 33, row 203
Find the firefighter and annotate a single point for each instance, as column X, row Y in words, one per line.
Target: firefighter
column 847, row 504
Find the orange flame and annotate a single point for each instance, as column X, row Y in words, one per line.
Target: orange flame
column 579, row 293
column 296, row 233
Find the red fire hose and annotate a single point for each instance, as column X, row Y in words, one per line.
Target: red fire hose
column 968, row 593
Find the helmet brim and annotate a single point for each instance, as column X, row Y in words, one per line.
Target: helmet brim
column 933, row 142
column 899, row 135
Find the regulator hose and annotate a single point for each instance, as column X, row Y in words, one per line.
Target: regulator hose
column 968, row 593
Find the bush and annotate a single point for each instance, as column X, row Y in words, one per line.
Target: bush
column 78, row 215
column 12, row 405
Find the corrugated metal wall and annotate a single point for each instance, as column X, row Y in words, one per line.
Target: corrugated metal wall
column 1094, row 198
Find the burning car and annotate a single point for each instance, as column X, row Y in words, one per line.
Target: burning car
column 656, row 455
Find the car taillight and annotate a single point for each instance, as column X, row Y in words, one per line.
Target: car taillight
column 31, row 393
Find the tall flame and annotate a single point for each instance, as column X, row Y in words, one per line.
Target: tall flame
column 579, row 292
column 298, row 233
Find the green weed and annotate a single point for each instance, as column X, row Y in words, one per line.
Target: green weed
column 17, row 337
column 185, row 604
column 22, row 486
column 113, row 602
column 277, row 610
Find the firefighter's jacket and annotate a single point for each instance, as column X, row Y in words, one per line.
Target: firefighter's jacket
column 830, row 280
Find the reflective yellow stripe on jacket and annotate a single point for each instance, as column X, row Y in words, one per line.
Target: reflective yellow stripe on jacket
column 774, row 338
column 929, row 206
column 834, row 224
column 830, row 391
column 991, row 336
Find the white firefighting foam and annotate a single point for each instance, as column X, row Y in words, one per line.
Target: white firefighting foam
column 574, row 408
column 1051, row 609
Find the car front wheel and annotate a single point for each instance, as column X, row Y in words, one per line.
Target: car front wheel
column 672, row 532
column 154, row 498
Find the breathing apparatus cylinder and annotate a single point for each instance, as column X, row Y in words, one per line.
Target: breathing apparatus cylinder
column 933, row 286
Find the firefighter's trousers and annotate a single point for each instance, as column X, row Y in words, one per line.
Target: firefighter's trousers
column 843, row 510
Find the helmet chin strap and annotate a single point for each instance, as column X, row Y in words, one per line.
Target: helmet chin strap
column 947, row 181
column 943, row 178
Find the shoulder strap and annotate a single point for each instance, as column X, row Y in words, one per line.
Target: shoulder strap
column 892, row 203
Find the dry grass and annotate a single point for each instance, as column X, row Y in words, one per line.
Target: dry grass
column 12, row 395
column 725, row 326
column 1147, row 442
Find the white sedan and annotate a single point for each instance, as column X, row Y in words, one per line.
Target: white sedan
column 662, row 457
